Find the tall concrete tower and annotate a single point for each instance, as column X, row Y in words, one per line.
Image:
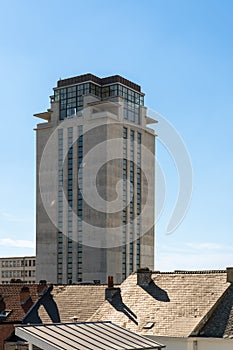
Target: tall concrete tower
column 95, row 182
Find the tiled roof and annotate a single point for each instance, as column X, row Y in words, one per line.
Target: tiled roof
column 77, row 301
column 11, row 300
column 173, row 304
column 179, row 304
column 220, row 323
column 72, row 301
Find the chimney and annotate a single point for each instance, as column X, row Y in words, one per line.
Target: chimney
column 2, row 303
column 144, row 276
column 230, row 274
column 25, row 299
column 42, row 287
column 110, row 282
column 111, row 291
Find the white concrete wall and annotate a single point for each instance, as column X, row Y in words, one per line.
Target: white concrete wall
column 172, row 343
column 189, row 343
column 214, row 344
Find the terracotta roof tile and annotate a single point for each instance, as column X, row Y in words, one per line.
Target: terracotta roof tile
column 72, row 300
column 11, row 300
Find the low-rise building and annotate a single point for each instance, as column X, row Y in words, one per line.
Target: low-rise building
column 22, row 304
column 75, row 302
column 18, row 269
column 15, row 301
column 185, row 310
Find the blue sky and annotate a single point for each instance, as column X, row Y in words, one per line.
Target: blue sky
column 180, row 52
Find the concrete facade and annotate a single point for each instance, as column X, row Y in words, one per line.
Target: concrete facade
column 95, row 182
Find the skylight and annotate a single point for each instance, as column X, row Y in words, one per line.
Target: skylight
column 4, row 314
column 148, row 325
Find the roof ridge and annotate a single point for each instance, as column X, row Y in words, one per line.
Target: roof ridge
column 193, row 272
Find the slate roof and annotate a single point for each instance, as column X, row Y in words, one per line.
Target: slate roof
column 178, row 304
column 174, row 304
column 78, row 301
column 11, row 300
column 220, row 323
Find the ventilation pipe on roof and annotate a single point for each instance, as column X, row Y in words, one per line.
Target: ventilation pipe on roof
column 111, row 291
column 144, row 276
column 74, row 319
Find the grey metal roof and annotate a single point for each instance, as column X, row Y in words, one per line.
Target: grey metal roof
column 84, row 336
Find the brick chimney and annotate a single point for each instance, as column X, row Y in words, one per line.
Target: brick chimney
column 230, row 274
column 25, row 299
column 2, row 303
column 110, row 282
column 144, row 276
column 111, row 291
column 42, row 287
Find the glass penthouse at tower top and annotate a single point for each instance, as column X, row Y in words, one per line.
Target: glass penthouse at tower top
column 69, row 92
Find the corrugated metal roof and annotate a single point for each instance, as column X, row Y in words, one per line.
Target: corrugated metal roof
column 84, row 336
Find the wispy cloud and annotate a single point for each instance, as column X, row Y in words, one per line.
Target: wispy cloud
column 195, row 247
column 194, row 256
column 201, row 261
column 20, row 243
column 208, row 246
column 13, row 218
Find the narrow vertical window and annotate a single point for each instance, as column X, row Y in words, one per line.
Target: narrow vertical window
column 138, row 222
column 70, row 205
column 60, row 206
column 131, row 176
column 124, row 212
column 80, row 201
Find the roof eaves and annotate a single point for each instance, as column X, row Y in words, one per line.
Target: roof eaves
column 31, row 337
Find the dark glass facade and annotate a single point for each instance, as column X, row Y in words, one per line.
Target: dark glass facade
column 71, row 99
